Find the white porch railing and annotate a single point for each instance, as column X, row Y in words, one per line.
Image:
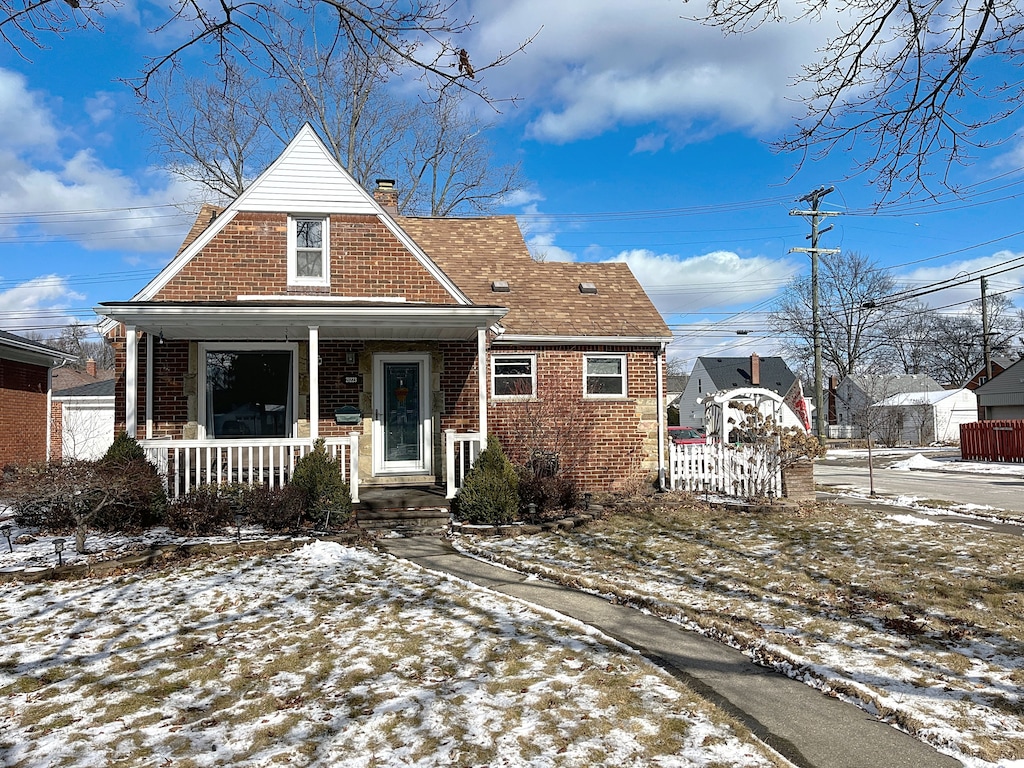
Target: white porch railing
column 188, row 464
column 460, row 453
column 733, row 470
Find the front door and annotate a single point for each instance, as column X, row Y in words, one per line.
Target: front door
column 401, row 425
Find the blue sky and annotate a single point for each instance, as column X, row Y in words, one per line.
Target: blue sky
column 641, row 137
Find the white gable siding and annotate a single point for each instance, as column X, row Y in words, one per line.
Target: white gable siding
column 305, row 179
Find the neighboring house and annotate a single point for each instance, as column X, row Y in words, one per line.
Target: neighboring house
column 714, row 374
column 920, row 418
column 82, row 412
column 24, row 398
column 308, row 308
column 999, row 364
column 854, row 395
column 676, row 387
column 1002, row 397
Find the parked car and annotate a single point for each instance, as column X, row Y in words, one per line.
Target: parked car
column 686, row 435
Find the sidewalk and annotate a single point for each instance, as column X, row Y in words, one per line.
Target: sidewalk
column 805, row 726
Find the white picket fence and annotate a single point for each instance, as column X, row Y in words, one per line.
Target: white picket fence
column 742, row 471
column 188, row 464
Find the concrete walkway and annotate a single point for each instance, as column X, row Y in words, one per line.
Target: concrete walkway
column 810, row 729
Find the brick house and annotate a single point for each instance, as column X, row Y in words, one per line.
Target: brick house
column 25, row 398
column 308, row 308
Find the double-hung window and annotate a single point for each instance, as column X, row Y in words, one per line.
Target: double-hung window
column 308, row 251
column 604, row 375
column 514, row 376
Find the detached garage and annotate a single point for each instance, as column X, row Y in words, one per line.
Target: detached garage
column 920, row 418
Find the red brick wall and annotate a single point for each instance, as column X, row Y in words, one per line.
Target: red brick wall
column 22, row 412
column 250, row 257
column 334, row 391
column 607, row 443
column 170, row 403
column 56, row 431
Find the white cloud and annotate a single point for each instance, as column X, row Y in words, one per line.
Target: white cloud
column 598, row 64
column 651, row 142
column 1004, row 283
column 104, row 207
column 37, row 303
column 101, row 107
column 720, row 280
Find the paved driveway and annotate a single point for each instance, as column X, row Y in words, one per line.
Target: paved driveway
column 1003, row 491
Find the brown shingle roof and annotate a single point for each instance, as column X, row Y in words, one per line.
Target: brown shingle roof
column 544, row 297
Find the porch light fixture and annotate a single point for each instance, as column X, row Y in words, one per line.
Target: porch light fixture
column 58, row 549
column 500, row 286
column 588, row 288
column 6, row 531
column 160, row 339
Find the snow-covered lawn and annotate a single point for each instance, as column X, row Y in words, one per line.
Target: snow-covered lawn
column 921, row 624
column 330, row 655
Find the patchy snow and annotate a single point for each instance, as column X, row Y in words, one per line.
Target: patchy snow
column 885, row 631
column 329, row 655
column 936, row 459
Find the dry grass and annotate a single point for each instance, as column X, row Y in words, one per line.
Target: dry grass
column 922, row 614
column 248, row 662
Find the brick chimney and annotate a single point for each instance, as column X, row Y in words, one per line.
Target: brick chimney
column 90, row 367
column 386, row 195
column 755, row 370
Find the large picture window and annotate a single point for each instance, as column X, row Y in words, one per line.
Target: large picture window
column 248, row 393
column 514, row 376
column 604, row 375
column 308, row 251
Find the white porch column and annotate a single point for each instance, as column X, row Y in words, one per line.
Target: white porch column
column 149, row 386
column 131, row 382
column 662, row 415
column 481, row 357
column 314, row 382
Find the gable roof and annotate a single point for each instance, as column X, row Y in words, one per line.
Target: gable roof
column 305, row 178
column 885, row 385
column 928, row 397
column 68, row 380
column 734, row 372
column 543, row 298
column 13, row 347
column 1009, row 382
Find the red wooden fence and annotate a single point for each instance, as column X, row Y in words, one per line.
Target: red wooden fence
column 992, row 441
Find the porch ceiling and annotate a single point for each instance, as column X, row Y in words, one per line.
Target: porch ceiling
column 258, row 321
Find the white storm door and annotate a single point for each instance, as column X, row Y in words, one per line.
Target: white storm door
column 401, row 406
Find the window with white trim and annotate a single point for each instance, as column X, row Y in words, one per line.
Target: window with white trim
column 308, row 251
column 514, row 376
column 247, row 390
column 604, row 375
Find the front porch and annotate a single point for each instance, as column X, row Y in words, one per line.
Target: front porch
column 188, row 464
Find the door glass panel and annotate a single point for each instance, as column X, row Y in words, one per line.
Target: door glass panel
column 402, row 412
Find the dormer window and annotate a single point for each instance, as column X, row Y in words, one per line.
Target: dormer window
column 308, row 251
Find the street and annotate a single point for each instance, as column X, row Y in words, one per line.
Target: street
column 1003, row 491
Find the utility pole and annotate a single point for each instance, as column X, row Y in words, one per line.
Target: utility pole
column 813, row 199
column 986, row 344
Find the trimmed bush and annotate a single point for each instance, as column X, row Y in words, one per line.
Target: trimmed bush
column 328, row 499
column 276, row 509
column 124, row 449
column 489, row 495
column 551, row 493
column 141, row 502
column 204, row 511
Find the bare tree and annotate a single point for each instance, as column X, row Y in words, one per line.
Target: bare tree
column 957, row 349
column 220, row 135
column 909, row 337
column 422, row 36
column 213, row 134
column 850, row 324
column 919, row 80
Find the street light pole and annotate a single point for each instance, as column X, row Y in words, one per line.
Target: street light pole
column 814, row 198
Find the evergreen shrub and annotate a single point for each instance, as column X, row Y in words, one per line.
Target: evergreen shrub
column 489, row 494
column 328, row 499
